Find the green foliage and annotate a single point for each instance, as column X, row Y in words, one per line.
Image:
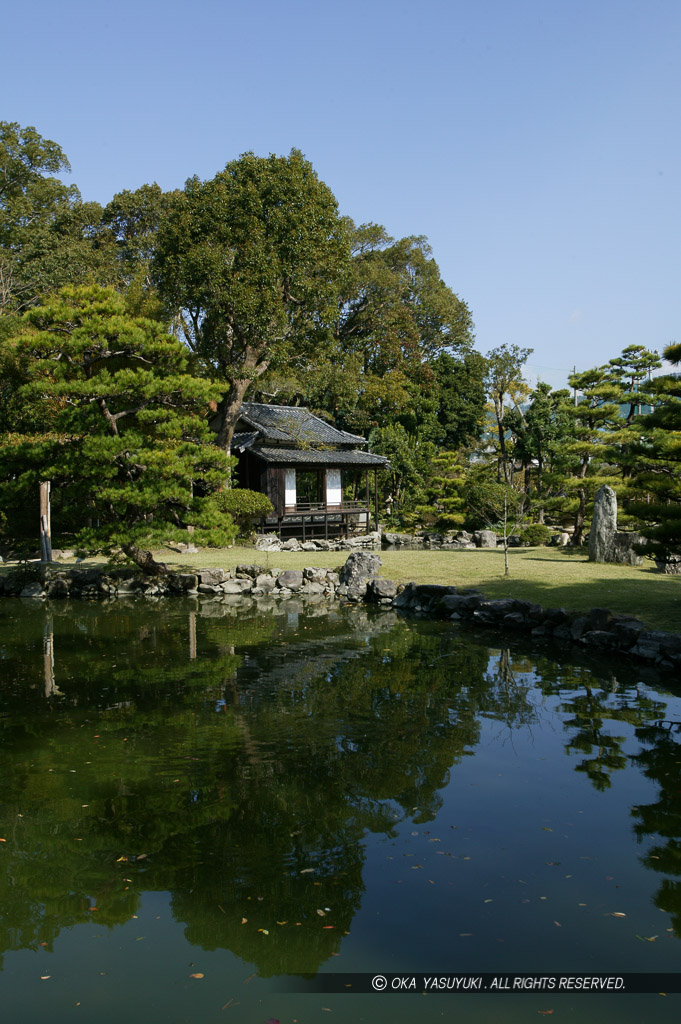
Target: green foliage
column 536, row 534
column 243, row 506
column 505, row 384
column 48, row 236
column 250, row 261
column 113, row 420
column 498, row 506
column 656, row 454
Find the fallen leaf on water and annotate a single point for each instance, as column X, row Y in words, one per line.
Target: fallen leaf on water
column 544, row 1012
column 282, row 922
column 618, row 913
column 119, row 859
column 3, row 840
column 244, row 920
column 327, row 926
column 321, row 913
column 197, row 975
column 306, row 871
column 647, row 938
column 44, row 977
column 558, row 924
column 264, row 931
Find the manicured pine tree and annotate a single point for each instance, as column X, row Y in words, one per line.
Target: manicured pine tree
column 657, row 456
column 109, row 413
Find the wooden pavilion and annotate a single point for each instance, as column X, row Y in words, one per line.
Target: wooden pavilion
column 304, row 465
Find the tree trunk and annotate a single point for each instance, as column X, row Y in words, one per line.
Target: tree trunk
column 145, row 560
column 254, row 365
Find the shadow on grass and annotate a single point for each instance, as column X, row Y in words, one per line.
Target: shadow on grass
column 654, row 601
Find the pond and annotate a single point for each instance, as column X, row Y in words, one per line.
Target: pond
column 207, row 810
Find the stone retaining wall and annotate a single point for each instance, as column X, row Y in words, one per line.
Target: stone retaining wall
column 596, row 629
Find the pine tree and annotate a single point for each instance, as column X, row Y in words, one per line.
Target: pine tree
column 657, row 455
column 108, row 412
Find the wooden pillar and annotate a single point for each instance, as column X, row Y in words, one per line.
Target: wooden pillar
column 376, row 495
column 45, row 524
column 367, row 502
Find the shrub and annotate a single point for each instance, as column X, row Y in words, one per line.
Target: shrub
column 536, row 534
column 243, row 506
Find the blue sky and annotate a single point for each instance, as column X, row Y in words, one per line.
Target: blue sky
column 534, row 142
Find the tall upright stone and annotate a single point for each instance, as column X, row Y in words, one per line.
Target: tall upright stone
column 603, row 525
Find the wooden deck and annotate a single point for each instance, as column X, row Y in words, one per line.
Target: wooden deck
column 314, row 520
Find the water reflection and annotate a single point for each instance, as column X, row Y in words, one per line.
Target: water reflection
column 239, row 762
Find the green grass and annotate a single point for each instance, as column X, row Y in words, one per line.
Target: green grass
column 546, row 576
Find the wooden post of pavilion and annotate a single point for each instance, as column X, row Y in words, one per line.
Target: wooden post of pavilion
column 376, row 496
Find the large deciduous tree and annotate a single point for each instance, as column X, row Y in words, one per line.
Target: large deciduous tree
column 108, row 412
column 251, row 260
column 506, row 388
column 48, row 236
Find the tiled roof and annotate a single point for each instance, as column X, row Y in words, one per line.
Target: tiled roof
column 312, row 456
column 243, row 441
column 293, row 425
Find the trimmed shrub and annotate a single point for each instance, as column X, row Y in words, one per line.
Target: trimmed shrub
column 536, row 534
column 243, row 506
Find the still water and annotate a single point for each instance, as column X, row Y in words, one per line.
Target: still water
column 203, row 805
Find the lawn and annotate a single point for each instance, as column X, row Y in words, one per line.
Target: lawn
column 547, row 576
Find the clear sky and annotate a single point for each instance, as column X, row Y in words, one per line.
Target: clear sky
column 534, row 142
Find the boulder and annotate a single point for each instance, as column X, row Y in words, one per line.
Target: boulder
column 267, row 542
column 670, row 566
column 265, row 582
column 624, row 549
column 381, row 591
column 292, row 544
column 57, row 588
column 485, row 539
column 603, row 525
column 34, row 590
column 291, row 579
column 236, row 587
column 182, row 582
column 248, row 571
column 212, row 577
column 358, row 569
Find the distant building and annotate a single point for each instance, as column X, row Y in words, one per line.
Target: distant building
column 303, row 465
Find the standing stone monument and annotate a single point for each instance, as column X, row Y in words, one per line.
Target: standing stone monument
column 603, row 525
column 605, row 543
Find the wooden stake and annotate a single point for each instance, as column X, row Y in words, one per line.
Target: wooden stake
column 45, row 525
